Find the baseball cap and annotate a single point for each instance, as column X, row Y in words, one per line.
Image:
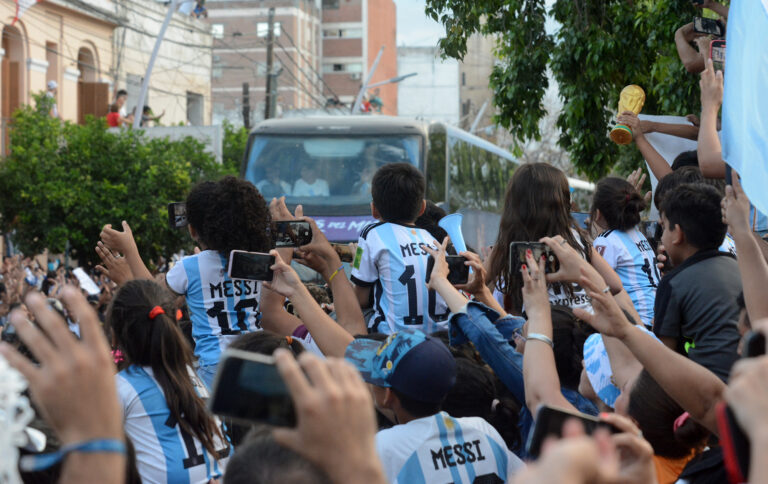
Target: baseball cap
column 52, row 85
column 411, row 362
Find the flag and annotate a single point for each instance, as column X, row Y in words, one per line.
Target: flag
column 186, row 6
column 21, row 7
column 745, row 100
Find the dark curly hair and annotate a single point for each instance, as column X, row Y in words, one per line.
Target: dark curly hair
column 229, row 215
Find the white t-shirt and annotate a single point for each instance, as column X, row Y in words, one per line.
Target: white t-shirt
column 304, row 189
column 440, row 449
column 390, row 259
column 220, row 309
column 164, row 453
column 55, row 107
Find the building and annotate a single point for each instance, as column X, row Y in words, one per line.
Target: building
column 434, row 93
column 240, row 31
column 353, row 33
column 474, row 72
column 92, row 48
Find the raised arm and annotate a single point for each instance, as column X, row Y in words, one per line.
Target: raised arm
column 124, row 243
column 718, row 8
column 709, row 149
column 686, row 131
column 658, row 165
column 690, row 57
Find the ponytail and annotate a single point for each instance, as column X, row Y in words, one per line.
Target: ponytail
column 140, row 318
column 618, row 202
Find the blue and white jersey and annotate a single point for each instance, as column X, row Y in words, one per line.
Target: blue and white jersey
column 441, row 448
column 389, row 258
column 728, row 245
column 164, row 453
column 220, row 308
column 631, row 256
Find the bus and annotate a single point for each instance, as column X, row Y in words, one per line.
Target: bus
column 326, row 164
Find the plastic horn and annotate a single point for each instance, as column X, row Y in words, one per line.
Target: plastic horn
column 452, row 224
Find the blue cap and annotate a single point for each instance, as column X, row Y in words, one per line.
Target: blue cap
column 411, row 362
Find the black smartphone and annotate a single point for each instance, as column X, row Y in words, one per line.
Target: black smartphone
column 549, row 422
column 754, row 345
column 344, row 251
column 735, row 444
column 177, row 215
column 458, row 272
column 291, row 233
column 253, row 266
column 728, row 174
column 517, row 252
column 708, row 26
column 582, row 219
column 717, row 54
column 248, row 388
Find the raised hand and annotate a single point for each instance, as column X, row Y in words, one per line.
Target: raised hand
column 735, row 208
column 319, row 254
column 608, row 318
column 535, row 295
column 114, row 267
column 122, row 242
column 440, row 269
column 285, row 280
column 477, row 282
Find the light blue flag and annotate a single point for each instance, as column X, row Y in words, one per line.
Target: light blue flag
column 745, row 102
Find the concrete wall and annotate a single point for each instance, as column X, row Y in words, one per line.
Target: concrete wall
column 382, row 30
column 474, row 73
column 434, row 93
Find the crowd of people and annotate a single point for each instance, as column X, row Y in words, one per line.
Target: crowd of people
column 395, row 373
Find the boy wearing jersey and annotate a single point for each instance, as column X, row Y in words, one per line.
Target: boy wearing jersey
column 411, row 374
column 390, row 259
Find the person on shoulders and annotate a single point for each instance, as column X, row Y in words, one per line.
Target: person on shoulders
column 390, row 258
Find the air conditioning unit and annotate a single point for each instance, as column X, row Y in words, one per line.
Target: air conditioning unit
column 356, row 76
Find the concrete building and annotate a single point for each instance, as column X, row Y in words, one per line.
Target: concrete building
column 240, row 29
column 434, row 93
column 91, row 48
column 353, row 33
column 474, row 74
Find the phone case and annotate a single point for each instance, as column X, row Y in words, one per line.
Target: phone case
column 734, row 443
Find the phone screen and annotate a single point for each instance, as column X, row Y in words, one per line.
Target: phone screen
column 177, row 215
column 248, row 388
column 549, row 422
column 707, row 26
column 291, row 233
column 581, row 218
column 717, row 54
column 458, row 272
column 253, row 266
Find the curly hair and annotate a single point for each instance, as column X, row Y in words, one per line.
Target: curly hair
column 229, row 215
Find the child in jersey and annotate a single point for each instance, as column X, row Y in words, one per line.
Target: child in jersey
column 412, row 373
column 390, row 259
column 176, row 440
column 616, row 208
column 223, row 216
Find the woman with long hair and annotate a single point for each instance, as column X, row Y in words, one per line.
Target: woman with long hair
column 175, row 438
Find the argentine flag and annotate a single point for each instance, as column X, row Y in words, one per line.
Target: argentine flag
column 745, row 101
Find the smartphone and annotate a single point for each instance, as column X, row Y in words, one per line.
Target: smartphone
column 582, row 219
column 708, row 26
column 735, row 444
column 177, row 215
column 549, row 422
column 248, row 388
column 517, row 252
column 754, row 345
column 253, row 266
column 291, row 233
column 345, row 252
column 717, row 54
column 458, row 272
column 728, row 174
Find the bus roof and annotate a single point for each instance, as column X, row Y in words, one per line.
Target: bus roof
column 316, row 125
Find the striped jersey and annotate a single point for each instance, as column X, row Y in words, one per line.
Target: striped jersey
column 630, row 254
column 164, row 453
column 389, row 259
column 220, row 308
column 441, row 448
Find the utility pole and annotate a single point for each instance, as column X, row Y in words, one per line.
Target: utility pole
column 268, row 113
column 246, row 107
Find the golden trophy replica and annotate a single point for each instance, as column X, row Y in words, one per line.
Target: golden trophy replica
column 632, row 99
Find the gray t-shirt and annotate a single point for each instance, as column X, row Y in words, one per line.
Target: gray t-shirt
column 696, row 303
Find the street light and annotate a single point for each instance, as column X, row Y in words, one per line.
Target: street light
column 365, row 86
column 393, row 80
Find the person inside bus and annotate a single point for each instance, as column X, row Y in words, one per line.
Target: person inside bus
column 309, row 185
column 272, row 186
column 363, row 185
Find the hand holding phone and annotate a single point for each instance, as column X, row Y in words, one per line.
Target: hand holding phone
column 177, row 215
column 291, row 233
column 517, row 252
column 708, row 26
column 458, row 271
column 344, row 251
column 550, row 421
column 253, row 266
column 717, row 54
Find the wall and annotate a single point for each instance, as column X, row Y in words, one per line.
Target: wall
column 382, row 30
column 434, row 93
column 475, row 72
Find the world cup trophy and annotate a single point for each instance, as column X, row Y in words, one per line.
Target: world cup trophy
column 632, row 99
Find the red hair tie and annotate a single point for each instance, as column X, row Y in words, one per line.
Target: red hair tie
column 289, row 339
column 157, row 310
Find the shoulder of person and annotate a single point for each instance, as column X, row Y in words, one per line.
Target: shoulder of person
column 369, row 228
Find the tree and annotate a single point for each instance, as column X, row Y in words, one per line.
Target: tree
column 600, row 47
column 62, row 182
column 235, row 141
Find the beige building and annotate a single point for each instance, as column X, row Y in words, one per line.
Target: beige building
column 91, row 48
column 474, row 73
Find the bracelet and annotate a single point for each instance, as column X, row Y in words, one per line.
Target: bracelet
column 330, row 279
column 31, row 463
column 540, row 337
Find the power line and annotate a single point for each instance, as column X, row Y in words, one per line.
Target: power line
column 319, row 76
column 299, row 83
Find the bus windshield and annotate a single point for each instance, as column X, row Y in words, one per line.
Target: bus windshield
column 330, row 172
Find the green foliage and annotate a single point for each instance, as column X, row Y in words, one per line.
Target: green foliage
column 64, row 181
column 600, row 47
column 235, row 141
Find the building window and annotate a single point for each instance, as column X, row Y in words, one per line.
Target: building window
column 342, row 33
column 262, row 29
column 463, row 78
column 217, row 30
column 330, row 3
column 351, row 67
column 357, row 67
column 195, row 109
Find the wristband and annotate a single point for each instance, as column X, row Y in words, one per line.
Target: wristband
column 31, row 463
column 330, row 279
column 540, row 337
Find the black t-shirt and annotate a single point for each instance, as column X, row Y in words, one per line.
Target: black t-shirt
column 696, row 303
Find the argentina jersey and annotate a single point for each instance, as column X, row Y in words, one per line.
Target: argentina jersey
column 441, row 448
column 631, row 256
column 389, row 259
column 164, row 453
column 220, row 308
